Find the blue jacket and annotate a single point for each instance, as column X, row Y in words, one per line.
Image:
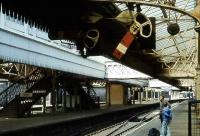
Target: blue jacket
column 167, row 114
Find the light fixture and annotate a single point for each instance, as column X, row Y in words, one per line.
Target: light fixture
column 173, row 28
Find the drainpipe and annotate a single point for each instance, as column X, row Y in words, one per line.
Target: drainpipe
column 196, row 12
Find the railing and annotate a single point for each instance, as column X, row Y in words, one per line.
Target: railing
column 9, row 94
column 4, row 85
column 92, row 94
column 194, row 118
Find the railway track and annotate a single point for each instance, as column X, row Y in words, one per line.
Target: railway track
column 129, row 125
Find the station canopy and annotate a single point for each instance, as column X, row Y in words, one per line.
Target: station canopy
column 178, row 52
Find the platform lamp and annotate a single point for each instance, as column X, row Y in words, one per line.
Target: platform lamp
column 173, row 28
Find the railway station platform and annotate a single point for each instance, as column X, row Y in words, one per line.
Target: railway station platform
column 79, row 122
column 50, row 124
column 178, row 126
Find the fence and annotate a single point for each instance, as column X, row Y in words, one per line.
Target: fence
column 194, row 118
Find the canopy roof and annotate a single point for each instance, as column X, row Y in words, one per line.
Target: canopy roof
column 178, row 52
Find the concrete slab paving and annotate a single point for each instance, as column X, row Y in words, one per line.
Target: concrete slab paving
column 178, row 126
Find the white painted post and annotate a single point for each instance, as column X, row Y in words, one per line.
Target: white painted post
column 147, row 95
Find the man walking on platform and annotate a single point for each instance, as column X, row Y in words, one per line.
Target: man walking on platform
column 167, row 117
column 161, row 108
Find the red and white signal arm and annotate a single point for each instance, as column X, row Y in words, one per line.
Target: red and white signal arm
column 123, row 46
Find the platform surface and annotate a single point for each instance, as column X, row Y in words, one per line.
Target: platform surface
column 178, row 126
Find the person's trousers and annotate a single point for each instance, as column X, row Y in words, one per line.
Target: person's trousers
column 161, row 118
column 165, row 130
